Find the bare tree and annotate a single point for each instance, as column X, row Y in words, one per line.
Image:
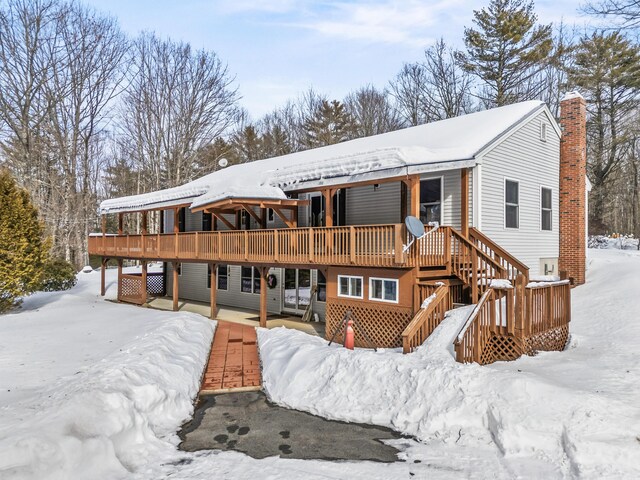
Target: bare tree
column 178, row 101
column 625, row 12
column 408, row 91
column 372, row 112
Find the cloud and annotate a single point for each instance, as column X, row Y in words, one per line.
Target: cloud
column 400, row 22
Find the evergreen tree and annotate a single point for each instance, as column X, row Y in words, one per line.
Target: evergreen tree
column 23, row 248
column 607, row 71
column 506, row 51
column 329, row 124
column 247, row 144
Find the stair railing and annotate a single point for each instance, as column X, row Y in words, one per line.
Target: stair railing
column 426, row 319
column 511, row 264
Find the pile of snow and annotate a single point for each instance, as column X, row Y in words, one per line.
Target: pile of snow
column 411, row 150
column 107, row 409
column 556, row 415
column 622, row 242
column 87, row 269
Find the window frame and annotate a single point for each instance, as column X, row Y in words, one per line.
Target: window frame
column 441, row 178
column 218, row 277
column 349, row 295
column 542, row 210
column 383, row 280
column 255, row 274
column 505, row 204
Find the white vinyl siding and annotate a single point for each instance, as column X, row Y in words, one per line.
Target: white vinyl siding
column 523, row 157
column 369, row 205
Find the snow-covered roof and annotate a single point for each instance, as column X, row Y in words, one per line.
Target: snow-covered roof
column 451, row 143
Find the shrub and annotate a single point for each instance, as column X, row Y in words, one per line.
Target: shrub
column 23, row 246
column 58, row 274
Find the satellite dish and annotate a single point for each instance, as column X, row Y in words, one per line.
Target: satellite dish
column 416, row 228
column 223, row 162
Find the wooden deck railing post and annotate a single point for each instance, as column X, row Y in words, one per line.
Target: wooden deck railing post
column 276, row 246
column 474, row 276
column 219, row 245
column 197, row 247
column 398, row 244
column 246, row 245
column 311, row 246
column 176, row 244
column 143, row 285
column 352, row 244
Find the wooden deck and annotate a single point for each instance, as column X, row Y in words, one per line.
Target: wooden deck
column 234, row 364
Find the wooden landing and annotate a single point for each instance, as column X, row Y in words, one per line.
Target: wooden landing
column 234, row 364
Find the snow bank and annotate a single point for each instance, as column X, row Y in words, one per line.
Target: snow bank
column 112, row 416
column 563, row 409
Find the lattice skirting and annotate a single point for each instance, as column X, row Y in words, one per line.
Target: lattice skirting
column 131, row 289
column 383, row 324
column 555, row 339
column 506, row 348
column 155, row 284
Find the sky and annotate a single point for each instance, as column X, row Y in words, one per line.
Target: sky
column 277, row 49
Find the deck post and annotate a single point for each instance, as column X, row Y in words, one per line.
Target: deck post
column 175, row 286
column 520, row 306
column 464, row 202
column 143, row 287
column 119, row 278
column 415, row 196
column 328, row 207
column 176, row 220
column 263, row 296
column 103, row 267
column 214, row 290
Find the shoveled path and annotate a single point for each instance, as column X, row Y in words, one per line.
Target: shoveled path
column 246, row 422
column 234, row 364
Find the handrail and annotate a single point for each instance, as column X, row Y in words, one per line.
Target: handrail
column 520, row 268
column 426, row 320
column 476, row 331
column 480, row 252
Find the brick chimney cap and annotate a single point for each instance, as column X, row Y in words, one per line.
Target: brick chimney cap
column 571, row 95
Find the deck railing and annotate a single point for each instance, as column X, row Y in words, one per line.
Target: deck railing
column 376, row 246
column 511, row 265
column 426, row 319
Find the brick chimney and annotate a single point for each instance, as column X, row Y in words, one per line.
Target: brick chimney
column 573, row 180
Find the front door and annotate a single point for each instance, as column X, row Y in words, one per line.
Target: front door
column 297, row 290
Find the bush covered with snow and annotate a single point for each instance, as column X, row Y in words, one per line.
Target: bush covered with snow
column 58, row 275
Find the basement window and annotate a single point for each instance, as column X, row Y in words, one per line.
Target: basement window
column 545, row 209
column 350, row 287
column 511, row 204
column 383, row 289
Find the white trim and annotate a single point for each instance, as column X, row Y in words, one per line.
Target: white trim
column 550, row 209
column 349, row 295
column 394, row 280
column 441, row 177
column 504, row 203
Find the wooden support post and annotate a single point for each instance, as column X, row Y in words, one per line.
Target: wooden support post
column 104, row 224
column 464, row 202
column 328, row 207
column 214, row 291
column 294, row 218
column 175, row 286
column 103, row 267
column 520, row 306
column 239, row 220
column 143, row 231
column 120, row 223
column 119, row 278
column 415, row 197
column 143, row 288
column 264, row 271
column 398, row 244
column 176, row 220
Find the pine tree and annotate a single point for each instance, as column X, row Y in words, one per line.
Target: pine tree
column 23, row 248
column 507, row 51
column 328, row 125
column 607, row 71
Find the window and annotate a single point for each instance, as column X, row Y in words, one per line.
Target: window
column 208, row 276
column 511, row 204
column 179, row 269
column 545, row 208
column 543, row 132
column 431, row 200
column 207, row 222
column 250, row 280
column 383, row 289
column 223, row 277
column 349, row 286
column 181, row 219
column 270, row 217
column 322, row 287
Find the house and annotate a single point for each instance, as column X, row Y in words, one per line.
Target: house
column 322, row 231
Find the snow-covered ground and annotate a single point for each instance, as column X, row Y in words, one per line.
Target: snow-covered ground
column 92, row 389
